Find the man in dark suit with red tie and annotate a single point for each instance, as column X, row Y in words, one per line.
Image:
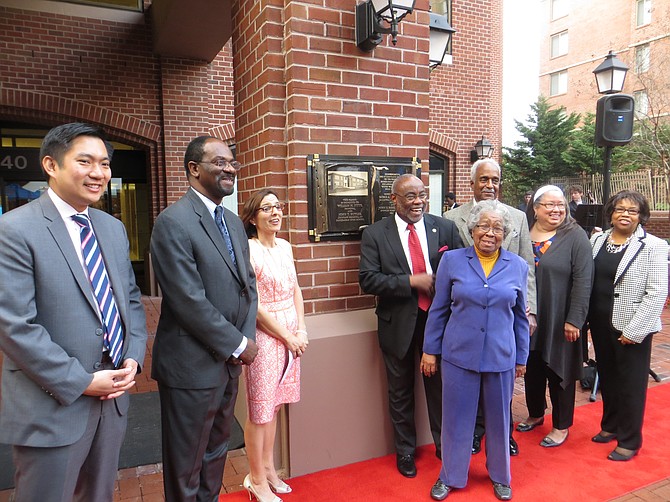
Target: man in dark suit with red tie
column 399, row 256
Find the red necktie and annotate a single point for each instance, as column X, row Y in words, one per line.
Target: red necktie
column 418, row 263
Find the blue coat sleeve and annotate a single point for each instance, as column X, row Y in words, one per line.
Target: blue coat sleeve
column 440, row 309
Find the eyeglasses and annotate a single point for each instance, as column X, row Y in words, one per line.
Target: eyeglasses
column 553, row 205
column 630, row 210
column 223, row 163
column 279, row 206
column 488, row 228
column 411, row 197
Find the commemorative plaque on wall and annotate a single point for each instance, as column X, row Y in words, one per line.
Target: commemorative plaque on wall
column 345, row 194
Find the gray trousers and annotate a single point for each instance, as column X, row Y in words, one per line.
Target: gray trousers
column 84, row 471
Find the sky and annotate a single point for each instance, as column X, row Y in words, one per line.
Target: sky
column 521, row 53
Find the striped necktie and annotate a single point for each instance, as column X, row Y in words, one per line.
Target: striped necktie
column 97, row 274
column 220, row 222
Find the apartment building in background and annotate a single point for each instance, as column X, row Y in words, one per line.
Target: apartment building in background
column 576, row 37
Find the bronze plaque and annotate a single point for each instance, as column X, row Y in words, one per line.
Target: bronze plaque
column 345, row 194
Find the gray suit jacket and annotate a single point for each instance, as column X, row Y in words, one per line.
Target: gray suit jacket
column 517, row 241
column 50, row 331
column 208, row 303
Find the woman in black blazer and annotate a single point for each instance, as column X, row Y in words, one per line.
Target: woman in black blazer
column 629, row 292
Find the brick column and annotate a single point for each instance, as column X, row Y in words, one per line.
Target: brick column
column 185, row 116
column 303, row 87
column 466, row 96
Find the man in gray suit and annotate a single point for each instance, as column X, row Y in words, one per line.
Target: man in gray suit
column 64, row 399
column 207, row 327
column 485, row 183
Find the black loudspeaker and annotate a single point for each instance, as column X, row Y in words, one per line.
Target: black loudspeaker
column 614, row 120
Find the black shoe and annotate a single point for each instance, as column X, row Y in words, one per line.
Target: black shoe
column 513, row 447
column 601, row 438
column 439, row 491
column 525, row 426
column 406, row 465
column 476, row 444
column 620, row 457
column 547, row 442
column 502, row 492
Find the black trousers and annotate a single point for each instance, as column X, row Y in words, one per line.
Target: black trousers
column 538, row 376
column 400, row 375
column 624, row 376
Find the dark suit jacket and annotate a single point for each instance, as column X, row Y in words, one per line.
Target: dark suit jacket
column 208, row 304
column 384, row 272
column 50, row 331
column 572, row 205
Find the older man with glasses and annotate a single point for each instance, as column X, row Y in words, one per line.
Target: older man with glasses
column 399, row 256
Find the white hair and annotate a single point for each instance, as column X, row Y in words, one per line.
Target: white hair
column 486, row 160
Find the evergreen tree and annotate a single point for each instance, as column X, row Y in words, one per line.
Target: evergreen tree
column 542, row 153
column 582, row 153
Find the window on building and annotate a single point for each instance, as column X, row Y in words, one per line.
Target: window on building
column 438, row 181
column 443, row 8
column 643, row 12
column 559, row 83
column 642, row 53
column 559, row 8
column 127, row 197
column 559, row 44
column 641, row 104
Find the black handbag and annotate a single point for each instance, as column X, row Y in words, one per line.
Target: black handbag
column 588, row 379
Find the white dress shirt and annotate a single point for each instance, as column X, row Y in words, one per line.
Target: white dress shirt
column 403, row 232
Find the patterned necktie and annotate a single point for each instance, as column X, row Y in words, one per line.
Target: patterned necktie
column 97, row 274
column 220, row 222
column 418, row 263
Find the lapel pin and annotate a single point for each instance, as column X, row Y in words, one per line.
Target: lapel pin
column 434, row 230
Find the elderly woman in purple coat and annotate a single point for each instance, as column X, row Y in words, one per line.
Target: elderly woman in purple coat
column 477, row 328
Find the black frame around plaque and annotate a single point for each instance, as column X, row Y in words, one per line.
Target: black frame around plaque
column 346, row 193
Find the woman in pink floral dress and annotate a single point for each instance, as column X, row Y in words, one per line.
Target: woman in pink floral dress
column 274, row 377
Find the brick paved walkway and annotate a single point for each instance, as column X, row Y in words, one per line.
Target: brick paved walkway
column 145, row 483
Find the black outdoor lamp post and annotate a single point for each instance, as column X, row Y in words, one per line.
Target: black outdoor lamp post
column 371, row 16
column 440, row 39
column 483, row 148
column 610, row 75
column 614, row 113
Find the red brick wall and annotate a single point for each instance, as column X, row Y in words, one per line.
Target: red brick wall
column 220, row 88
column 296, row 85
column 659, row 224
column 303, row 87
column 466, row 96
column 105, row 63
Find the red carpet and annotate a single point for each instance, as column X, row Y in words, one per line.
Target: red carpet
column 577, row 470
